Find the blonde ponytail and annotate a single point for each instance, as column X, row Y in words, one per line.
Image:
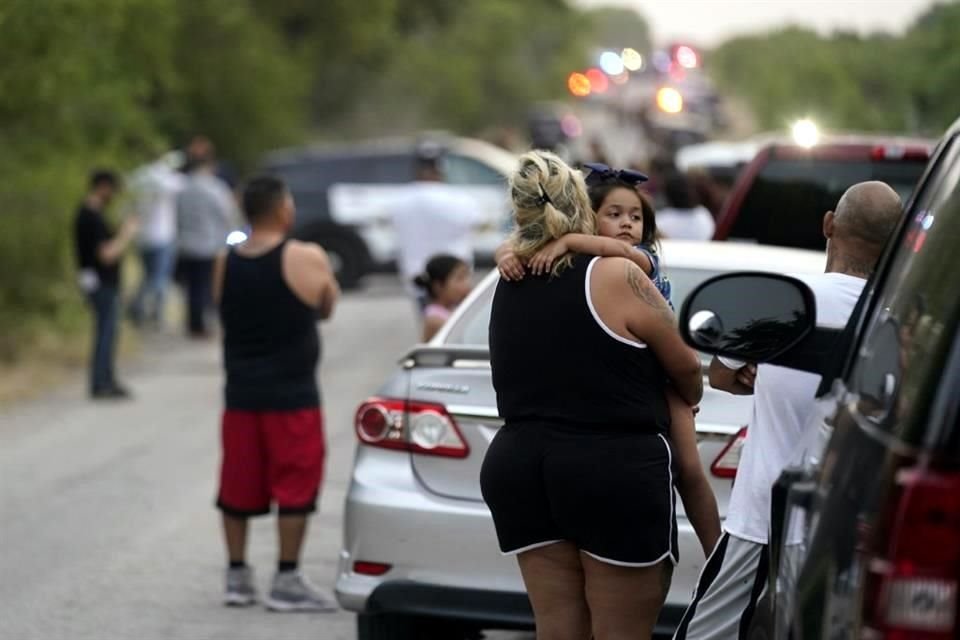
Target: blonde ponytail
column 549, row 201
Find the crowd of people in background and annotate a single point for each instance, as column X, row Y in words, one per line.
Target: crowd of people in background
column 182, row 207
column 179, row 214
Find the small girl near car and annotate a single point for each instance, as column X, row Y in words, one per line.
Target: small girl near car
column 446, row 283
column 626, row 227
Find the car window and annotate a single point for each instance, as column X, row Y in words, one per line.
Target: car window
column 308, row 182
column 302, row 176
column 473, row 325
column 463, row 170
column 786, row 203
column 902, row 353
column 683, row 281
column 395, row 168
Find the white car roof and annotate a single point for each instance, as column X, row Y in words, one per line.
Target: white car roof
column 740, row 256
column 716, row 154
column 503, row 161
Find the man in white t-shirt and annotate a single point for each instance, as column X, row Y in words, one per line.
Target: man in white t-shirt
column 684, row 218
column 734, row 578
column 155, row 188
column 431, row 218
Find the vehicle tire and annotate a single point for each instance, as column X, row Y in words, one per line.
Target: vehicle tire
column 384, row 626
column 348, row 255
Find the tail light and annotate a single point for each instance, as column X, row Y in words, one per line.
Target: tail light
column 896, row 152
column 371, row 568
column 406, row 425
column 725, row 466
column 913, row 561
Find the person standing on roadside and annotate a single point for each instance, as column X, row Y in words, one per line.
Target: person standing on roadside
column 735, row 576
column 684, row 218
column 270, row 292
column 206, row 213
column 155, row 188
column 99, row 251
column 432, row 218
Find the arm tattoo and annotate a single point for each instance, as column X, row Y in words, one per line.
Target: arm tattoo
column 644, row 290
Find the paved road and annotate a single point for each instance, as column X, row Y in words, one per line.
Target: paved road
column 107, row 528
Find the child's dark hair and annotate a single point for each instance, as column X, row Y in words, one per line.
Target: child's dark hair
column 261, row 196
column 598, row 193
column 438, row 270
column 104, row 178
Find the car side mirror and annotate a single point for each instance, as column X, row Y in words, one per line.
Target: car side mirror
column 754, row 317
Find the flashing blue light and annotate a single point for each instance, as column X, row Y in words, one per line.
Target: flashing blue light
column 611, row 63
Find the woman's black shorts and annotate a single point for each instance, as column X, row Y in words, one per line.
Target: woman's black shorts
column 609, row 493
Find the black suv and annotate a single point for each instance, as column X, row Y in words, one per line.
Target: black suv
column 878, row 495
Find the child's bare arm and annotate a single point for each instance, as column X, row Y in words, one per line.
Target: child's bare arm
column 502, row 251
column 510, row 267
column 692, row 484
column 591, row 246
column 608, row 248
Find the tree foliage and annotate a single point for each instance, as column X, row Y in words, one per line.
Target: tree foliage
column 488, row 63
column 847, row 81
column 616, row 28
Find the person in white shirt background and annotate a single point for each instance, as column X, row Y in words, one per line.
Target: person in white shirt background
column 734, row 577
column 684, row 218
column 432, row 218
column 155, row 188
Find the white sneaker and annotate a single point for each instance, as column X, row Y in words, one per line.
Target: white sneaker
column 240, row 590
column 292, row 591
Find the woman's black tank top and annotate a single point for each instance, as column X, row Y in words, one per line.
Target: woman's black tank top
column 554, row 361
column 271, row 346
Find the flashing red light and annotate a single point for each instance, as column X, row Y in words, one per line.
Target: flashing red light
column 598, row 80
column 687, row 57
column 578, row 84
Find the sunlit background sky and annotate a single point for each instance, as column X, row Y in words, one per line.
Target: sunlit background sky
column 708, row 22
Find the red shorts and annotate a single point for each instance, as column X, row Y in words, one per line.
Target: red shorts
column 271, row 457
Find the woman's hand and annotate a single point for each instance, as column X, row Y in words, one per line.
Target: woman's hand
column 543, row 261
column 510, row 267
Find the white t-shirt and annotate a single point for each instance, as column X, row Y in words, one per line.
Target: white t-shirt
column 432, row 218
column 783, row 401
column 155, row 190
column 686, row 224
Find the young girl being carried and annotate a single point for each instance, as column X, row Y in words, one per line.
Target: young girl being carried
column 626, row 227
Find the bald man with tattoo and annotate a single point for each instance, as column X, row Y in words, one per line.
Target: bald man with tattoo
column 734, row 578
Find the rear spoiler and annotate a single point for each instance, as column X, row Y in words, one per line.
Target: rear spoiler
column 458, row 357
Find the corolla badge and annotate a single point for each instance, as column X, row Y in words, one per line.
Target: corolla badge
column 443, row 388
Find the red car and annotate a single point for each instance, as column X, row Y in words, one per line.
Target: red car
column 781, row 196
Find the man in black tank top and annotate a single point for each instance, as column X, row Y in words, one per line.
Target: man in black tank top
column 270, row 292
